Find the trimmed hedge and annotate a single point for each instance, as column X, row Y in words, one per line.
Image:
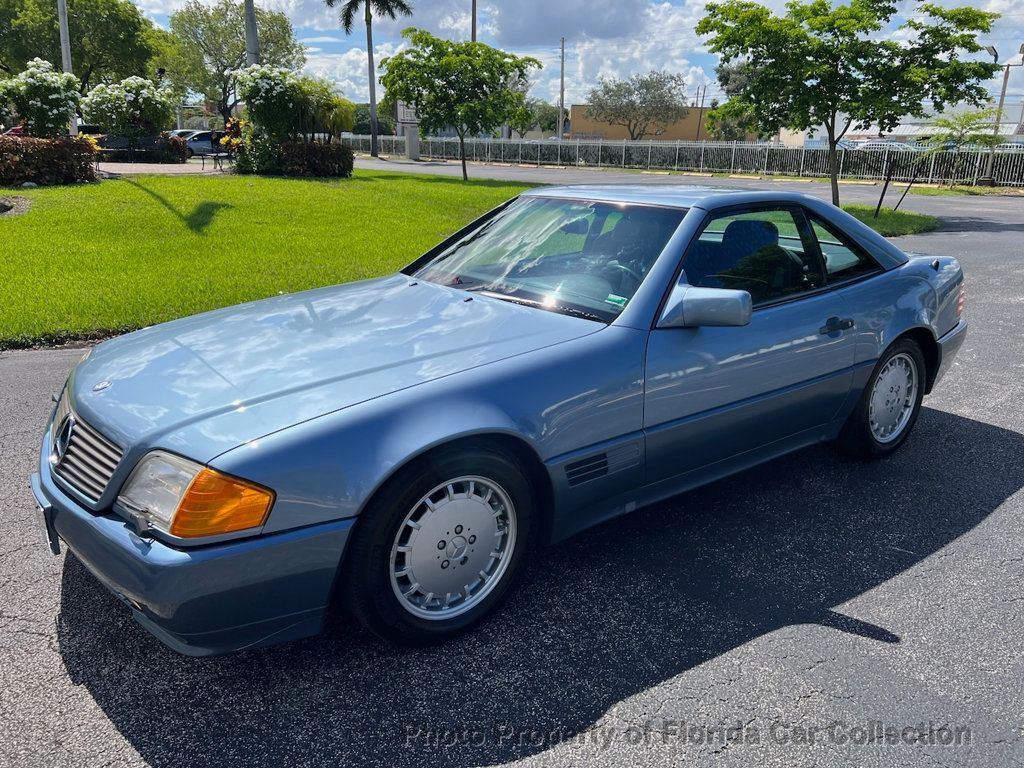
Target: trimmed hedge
column 159, row 149
column 45, row 161
column 296, row 158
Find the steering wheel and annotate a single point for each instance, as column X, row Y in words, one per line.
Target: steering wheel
column 623, row 268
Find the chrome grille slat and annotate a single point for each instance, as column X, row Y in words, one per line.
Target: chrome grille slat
column 89, row 459
column 98, row 476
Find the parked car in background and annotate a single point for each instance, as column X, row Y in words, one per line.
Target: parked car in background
column 397, row 446
column 15, row 130
column 882, row 146
column 183, row 133
column 203, row 142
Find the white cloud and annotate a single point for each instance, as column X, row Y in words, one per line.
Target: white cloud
column 322, row 39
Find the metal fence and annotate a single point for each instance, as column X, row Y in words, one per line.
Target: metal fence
column 721, row 157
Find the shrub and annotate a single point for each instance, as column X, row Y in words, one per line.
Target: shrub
column 45, row 161
column 132, row 108
column 42, row 98
column 307, row 158
column 158, row 149
column 294, row 158
column 287, row 107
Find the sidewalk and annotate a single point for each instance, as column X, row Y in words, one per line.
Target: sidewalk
column 194, row 166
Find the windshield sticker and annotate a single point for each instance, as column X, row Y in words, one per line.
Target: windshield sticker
column 618, row 301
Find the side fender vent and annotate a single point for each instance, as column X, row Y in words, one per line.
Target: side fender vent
column 603, row 464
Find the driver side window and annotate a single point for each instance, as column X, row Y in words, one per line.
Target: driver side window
column 763, row 252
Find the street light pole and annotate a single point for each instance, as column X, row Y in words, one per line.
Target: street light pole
column 561, row 94
column 473, row 30
column 988, row 180
column 252, row 39
column 65, row 53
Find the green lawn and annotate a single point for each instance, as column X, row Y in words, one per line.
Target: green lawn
column 892, row 223
column 94, row 259
column 91, row 260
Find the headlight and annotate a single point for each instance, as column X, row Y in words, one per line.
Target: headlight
column 187, row 499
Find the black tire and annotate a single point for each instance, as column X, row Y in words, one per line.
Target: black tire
column 856, row 439
column 189, row 152
column 367, row 587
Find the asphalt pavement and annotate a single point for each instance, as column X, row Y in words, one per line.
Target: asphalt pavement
column 813, row 611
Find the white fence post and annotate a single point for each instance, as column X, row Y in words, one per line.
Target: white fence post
column 702, row 157
column 623, row 153
column 803, row 154
column 732, row 162
column 675, row 165
column 650, row 148
column 766, row 160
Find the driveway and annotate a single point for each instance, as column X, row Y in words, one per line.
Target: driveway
column 796, row 614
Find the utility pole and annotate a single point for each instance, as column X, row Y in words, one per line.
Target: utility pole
column 561, row 95
column 65, row 53
column 987, row 180
column 473, row 33
column 699, row 103
column 252, row 39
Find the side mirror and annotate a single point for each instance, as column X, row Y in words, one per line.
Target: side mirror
column 689, row 307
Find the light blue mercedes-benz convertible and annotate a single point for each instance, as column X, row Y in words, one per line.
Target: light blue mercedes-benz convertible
column 397, row 446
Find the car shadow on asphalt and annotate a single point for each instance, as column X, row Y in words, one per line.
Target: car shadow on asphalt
column 606, row 615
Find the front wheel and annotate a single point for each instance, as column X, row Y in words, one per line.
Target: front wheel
column 889, row 405
column 441, row 545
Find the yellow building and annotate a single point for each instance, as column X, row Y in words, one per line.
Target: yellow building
column 690, row 128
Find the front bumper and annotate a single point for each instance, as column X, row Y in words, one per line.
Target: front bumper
column 204, row 600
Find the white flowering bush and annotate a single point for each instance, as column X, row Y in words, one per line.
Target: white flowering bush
column 272, row 97
column 133, row 108
column 42, row 98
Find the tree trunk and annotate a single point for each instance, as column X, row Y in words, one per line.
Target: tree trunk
column 833, row 168
column 462, row 156
column 374, row 150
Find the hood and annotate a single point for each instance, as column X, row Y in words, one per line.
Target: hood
column 205, row 384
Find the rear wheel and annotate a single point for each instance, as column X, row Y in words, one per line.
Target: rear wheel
column 889, row 405
column 440, row 546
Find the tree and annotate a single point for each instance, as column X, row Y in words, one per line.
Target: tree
column 390, row 8
column 643, row 104
column 733, row 120
column 42, row 98
column 534, row 114
column 970, row 128
column 819, row 66
column 467, row 86
column 111, row 39
column 210, row 48
column 385, row 121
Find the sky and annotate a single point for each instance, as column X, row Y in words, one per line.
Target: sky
column 603, row 38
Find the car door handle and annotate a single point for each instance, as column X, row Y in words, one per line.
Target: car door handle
column 836, row 325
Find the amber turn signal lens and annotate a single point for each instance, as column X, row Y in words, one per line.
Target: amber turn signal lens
column 216, row 503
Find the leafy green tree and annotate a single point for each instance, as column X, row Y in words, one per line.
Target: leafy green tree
column 534, row 114
column 733, row 120
column 545, row 115
column 643, row 104
column 110, row 39
column 963, row 130
column 385, row 121
column 823, row 66
column 467, row 86
column 390, row 8
column 286, row 107
column 210, row 48
column 42, row 98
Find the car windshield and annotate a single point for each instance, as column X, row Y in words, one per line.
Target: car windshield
column 582, row 258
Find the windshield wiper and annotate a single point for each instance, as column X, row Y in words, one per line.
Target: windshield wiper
column 560, row 308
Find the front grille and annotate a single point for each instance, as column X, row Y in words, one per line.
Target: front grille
column 82, row 458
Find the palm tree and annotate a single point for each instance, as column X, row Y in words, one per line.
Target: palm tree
column 389, row 8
